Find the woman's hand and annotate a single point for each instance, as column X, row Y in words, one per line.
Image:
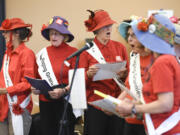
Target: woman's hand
column 3, row 91
column 122, row 74
column 57, row 93
column 35, row 91
column 124, row 108
column 92, row 71
column 107, row 112
column 122, row 96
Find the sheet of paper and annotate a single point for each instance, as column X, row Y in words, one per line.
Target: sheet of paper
column 39, row 84
column 108, row 70
column 106, row 104
column 78, row 92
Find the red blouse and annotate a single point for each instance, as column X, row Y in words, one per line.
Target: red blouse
column 22, row 63
column 112, row 52
column 164, row 77
column 57, row 55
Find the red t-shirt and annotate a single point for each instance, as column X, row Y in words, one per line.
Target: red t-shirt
column 57, row 55
column 22, row 63
column 145, row 63
column 164, row 77
column 112, row 52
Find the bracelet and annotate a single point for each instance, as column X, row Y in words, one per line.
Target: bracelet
column 133, row 110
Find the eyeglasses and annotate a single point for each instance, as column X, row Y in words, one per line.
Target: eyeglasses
column 132, row 35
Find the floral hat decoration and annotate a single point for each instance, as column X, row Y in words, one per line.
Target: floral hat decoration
column 14, row 23
column 10, row 25
column 156, row 33
column 175, row 20
column 97, row 20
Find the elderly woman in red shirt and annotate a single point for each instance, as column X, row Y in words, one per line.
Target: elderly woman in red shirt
column 51, row 67
column 19, row 61
column 97, row 121
column 140, row 61
column 161, row 88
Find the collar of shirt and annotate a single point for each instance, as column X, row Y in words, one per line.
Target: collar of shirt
column 61, row 46
column 18, row 49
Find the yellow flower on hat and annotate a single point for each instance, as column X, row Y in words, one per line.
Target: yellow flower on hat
column 51, row 21
column 134, row 17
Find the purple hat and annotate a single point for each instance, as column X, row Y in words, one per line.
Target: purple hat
column 157, row 34
column 60, row 24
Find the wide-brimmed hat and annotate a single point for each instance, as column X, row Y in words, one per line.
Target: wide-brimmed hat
column 127, row 23
column 156, row 33
column 97, row 20
column 60, row 24
column 14, row 23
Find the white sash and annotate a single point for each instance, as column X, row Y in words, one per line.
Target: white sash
column 44, row 67
column 169, row 123
column 46, row 72
column 165, row 126
column 136, row 85
column 17, row 120
column 135, row 81
column 96, row 53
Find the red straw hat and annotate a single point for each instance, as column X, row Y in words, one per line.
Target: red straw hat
column 14, row 23
column 97, row 20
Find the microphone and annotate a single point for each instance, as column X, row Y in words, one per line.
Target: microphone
column 86, row 47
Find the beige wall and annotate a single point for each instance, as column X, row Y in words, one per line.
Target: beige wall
column 38, row 12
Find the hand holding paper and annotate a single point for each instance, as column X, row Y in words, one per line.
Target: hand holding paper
column 112, row 99
column 39, row 84
column 108, row 103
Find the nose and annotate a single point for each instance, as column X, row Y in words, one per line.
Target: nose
column 129, row 39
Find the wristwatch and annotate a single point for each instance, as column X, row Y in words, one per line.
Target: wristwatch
column 133, row 110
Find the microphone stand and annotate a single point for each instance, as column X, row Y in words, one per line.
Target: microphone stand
column 64, row 121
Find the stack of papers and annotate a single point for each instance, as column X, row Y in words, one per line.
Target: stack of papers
column 108, row 103
column 108, row 70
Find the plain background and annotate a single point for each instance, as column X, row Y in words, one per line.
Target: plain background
column 38, row 12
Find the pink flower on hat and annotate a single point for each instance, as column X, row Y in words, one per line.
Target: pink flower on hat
column 174, row 19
